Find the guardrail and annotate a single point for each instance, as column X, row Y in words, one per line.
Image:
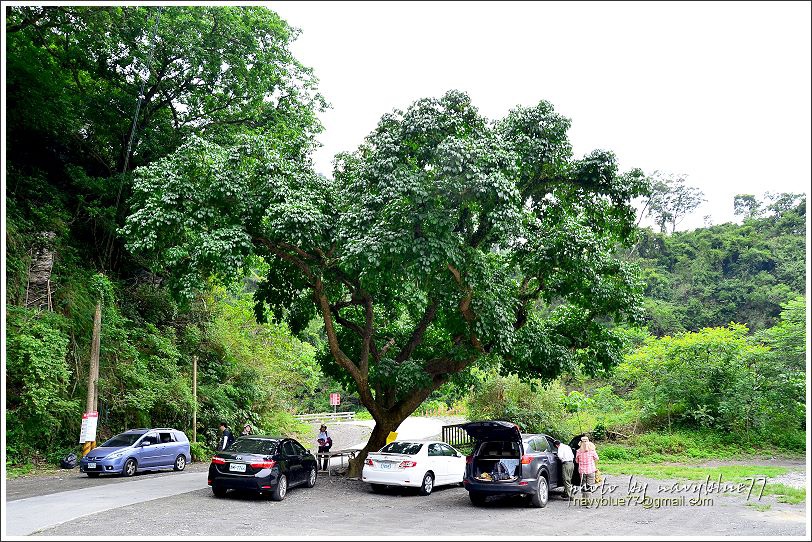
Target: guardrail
column 326, row 416
column 455, row 435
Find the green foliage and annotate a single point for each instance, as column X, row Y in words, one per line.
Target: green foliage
column 726, row 273
column 73, row 74
column 729, row 473
column 39, row 409
column 670, row 201
column 683, row 445
column 200, row 452
column 444, row 241
column 720, row 378
column 534, row 407
column 282, row 423
column 786, row 494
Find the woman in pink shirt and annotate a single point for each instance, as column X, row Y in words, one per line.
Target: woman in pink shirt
column 586, row 456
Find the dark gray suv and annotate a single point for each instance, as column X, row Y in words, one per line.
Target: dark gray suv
column 505, row 461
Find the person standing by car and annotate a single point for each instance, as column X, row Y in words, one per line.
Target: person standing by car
column 227, row 438
column 586, row 458
column 325, row 443
column 566, row 456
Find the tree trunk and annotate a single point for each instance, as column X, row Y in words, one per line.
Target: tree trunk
column 376, row 441
column 93, row 375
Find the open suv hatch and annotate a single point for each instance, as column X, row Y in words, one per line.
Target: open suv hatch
column 505, row 461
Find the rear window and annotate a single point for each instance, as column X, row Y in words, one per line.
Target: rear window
column 254, row 446
column 496, row 448
column 408, row 448
column 124, row 439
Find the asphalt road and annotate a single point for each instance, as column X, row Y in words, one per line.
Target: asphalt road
column 345, row 507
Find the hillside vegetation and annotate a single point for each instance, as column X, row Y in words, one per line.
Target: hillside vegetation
column 714, row 364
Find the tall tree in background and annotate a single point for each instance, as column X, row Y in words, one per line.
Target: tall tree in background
column 74, row 74
column 669, row 201
column 746, row 205
column 444, row 241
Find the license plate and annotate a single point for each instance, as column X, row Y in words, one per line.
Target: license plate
column 236, row 467
column 386, row 465
column 91, row 465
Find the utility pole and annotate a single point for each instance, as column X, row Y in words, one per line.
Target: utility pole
column 93, row 376
column 194, row 393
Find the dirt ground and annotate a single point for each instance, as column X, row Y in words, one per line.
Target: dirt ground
column 338, row 506
column 346, row 507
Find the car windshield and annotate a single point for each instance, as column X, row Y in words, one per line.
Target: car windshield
column 408, row 448
column 124, row 439
column 254, row 446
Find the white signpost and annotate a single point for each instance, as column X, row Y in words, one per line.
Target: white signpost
column 335, row 400
column 89, row 422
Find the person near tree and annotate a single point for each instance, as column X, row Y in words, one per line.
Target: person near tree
column 586, row 458
column 227, row 437
column 325, row 443
column 566, row 456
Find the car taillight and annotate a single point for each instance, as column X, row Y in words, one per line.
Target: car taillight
column 218, row 460
column 526, row 459
column 264, row 464
column 368, row 462
column 407, row 464
column 469, row 460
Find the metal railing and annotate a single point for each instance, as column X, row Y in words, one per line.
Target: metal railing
column 326, row 416
column 455, row 435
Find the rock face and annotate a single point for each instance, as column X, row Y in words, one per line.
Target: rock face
column 39, row 290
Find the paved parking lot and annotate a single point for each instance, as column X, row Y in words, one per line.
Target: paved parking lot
column 346, row 507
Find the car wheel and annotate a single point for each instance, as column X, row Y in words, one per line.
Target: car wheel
column 219, row 491
column 477, row 499
column 542, row 494
column 180, row 462
column 92, row 474
column 130, row 467
column 281, row 488
column 378, row 488
column 428, row 484
column 311, row 479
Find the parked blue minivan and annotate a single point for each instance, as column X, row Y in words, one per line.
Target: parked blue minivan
column 138, row 449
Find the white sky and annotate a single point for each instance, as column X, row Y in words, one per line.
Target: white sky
column 719, row 92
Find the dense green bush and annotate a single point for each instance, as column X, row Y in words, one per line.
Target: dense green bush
column 200, row 452
column 41, row 415
column 535, row 407
column 720, row 378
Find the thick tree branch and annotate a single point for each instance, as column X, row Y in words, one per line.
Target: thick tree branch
column 386, row 347
column 441, row 366
column 277, row 251
column 417, row 334
column 465, row 305
column 363, row 362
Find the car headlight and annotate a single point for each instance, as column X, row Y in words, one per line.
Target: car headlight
column 116, row 455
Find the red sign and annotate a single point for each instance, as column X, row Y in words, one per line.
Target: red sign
column 335, row 399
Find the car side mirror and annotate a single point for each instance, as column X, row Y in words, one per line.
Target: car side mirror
column 457, row 455
column 145, row 443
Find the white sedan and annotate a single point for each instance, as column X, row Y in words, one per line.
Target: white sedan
column 415, row 463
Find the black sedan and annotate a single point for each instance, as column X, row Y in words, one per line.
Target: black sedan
column 262, row 464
